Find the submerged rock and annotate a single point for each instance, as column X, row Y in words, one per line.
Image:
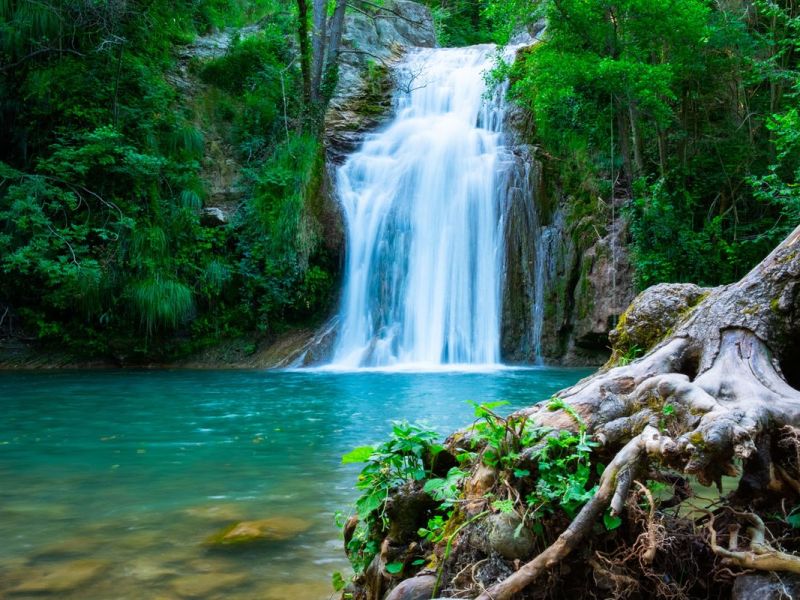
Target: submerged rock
column 216, row 512
column 205, row 584
column 274, row 529
column 60, row 578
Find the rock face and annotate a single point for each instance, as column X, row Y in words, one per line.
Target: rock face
column 370, row 45
column 568, row 274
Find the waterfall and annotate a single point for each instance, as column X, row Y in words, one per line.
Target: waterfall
column 423, row 202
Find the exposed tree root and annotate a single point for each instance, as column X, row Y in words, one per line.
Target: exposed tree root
column 760, row 556
column 710, row 400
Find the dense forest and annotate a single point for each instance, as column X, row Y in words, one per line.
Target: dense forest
column 114, row 132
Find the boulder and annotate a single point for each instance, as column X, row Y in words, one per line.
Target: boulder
column 653, row 314
column 213, row 216
column 507, row 538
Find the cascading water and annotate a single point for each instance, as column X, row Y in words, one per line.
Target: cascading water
column 423, row 203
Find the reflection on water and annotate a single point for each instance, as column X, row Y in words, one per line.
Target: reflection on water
column 111, row 482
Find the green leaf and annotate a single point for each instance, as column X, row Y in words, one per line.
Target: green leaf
column 338, row 581
column 504, row 506
column 668, row 410
column 358, row 455
column 520, row 473
column 611, row 522
column 366, row 504
column 394, row 567
column 418, row 562
column 794, row 520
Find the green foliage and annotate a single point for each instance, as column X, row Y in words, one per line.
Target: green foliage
column 406, row 456
column 649, row 95
column 564, row 473
column 446, row 490
column 109, row 157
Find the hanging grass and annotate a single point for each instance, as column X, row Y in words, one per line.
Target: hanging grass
column 186, row 140
column 149, row 242
column 216, row 274
column 191, row 199
column 161, row 303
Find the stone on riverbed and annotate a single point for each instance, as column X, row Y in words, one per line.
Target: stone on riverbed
column 275, row 529
column 204, row 585
column 59, row 578
column 216, row 512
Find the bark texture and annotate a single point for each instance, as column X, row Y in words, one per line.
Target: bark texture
column 715, row 395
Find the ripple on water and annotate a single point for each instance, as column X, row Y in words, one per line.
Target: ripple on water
column 120, row 477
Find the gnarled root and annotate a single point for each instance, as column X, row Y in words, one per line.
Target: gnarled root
column 760, row 555
column 709, row 397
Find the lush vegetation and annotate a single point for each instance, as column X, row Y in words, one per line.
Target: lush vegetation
column 687, row 111
column 116, row 134
column 545, row 475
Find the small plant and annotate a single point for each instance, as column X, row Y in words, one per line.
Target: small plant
column 630, row 355
column 564, row 467
column 504, row 437
column 405, row 457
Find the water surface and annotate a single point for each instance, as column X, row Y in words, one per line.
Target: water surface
column 121, row 476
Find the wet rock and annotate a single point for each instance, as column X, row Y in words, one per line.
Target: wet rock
column 506, row 537
column 204, row 585
column 275, row 529
column 416, row 588
column 766, row 587
column 604, row 289
column 320, row 348
column 568, row 278
column 370, row 46
column 213, row 216
column 60, row 578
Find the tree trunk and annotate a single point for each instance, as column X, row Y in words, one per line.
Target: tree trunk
column 305, row 52
column 625, row 148
column 334, row 42
column 724, row 369
column 320, row 18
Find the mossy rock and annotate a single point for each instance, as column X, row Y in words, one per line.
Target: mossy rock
column 248, row 533
column 651, row 317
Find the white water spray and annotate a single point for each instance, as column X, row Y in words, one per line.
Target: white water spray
column 423, row 202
